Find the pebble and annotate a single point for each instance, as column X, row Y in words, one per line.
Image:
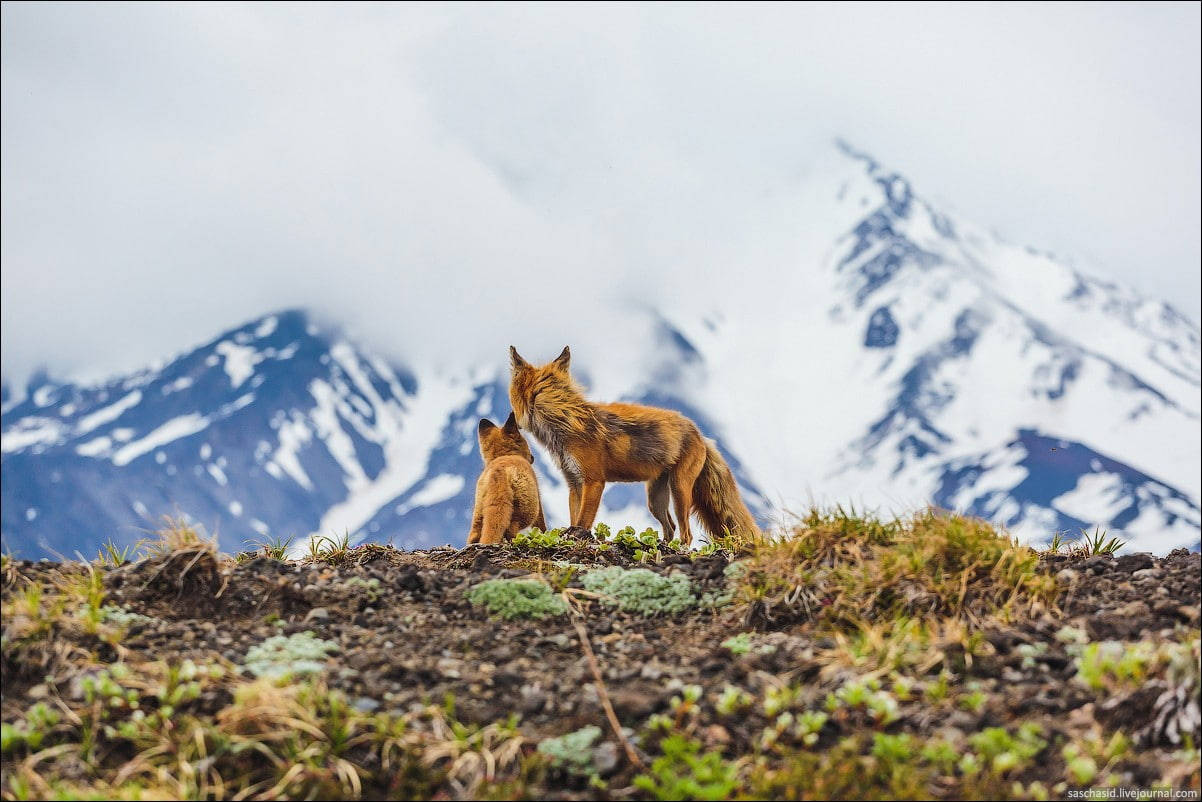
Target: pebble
column 1066, row 576
column 605, row 758
column 1135, row 609
column 318, row 614
column 365, row 704
column 1146, row 573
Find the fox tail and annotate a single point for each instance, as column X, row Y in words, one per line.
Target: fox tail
column 716, row 499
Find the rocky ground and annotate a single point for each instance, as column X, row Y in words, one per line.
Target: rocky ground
column 746, row 691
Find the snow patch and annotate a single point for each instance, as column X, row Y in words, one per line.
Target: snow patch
column 440, row 488
column 174, row 429
column 240, row 361
column 108, row 414
column 94, row 448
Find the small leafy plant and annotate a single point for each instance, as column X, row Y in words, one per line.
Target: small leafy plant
column 517, row 598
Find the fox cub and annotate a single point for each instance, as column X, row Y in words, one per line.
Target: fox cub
column 507, row 492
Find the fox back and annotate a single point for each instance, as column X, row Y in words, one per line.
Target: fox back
column 507, row 498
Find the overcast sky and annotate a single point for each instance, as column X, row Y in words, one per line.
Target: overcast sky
column 434, row 174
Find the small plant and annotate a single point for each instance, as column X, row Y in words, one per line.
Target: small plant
column 642, row 591
column 739, row 645
column 273, row 548
column 867, row 696
column 517, row 598
column 535, row 538
column 973, row 702
column 177, row 535
column 778, row 698
column 644, row 546
column 1111, row 663
column 1098, row 543
column 732, row 700
column 329, row 549
column 370, row 586
column 29, row 732
column 572, row 753
column 1001, row 752
column 121, row 617
column 281, row 657
column 809, row 726
column 115, row 556
column 681, row 772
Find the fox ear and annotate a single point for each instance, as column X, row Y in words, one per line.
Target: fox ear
column 511, row 425
column 485, row 425
column 515, row 359
column 565, row 356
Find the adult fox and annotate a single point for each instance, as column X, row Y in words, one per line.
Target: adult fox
column 599, row 443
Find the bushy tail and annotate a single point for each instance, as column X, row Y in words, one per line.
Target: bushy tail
column 716, row 499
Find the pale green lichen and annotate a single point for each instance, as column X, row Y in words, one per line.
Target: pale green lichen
column 121, row 617
column 517, row 598
column 572, row 752
column 640, row 590
column 279, row 657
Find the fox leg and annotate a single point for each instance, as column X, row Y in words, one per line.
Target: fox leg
column 540, row 522
column 573, row 504
column 683, row 476
column 473, row 535
column 658, row 496
column 496, row 521
column 590, row 500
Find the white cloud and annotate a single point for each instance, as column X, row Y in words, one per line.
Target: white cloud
column 451, row 179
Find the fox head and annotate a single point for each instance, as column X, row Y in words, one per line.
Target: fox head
column 501, row 441
column 547, row 385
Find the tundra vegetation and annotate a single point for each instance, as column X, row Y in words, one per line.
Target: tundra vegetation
column 839, row 656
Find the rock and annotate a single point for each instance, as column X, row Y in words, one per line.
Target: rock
column 1098, row 563
column 1134, row 609
column 1189, row 613
column 605, row 758
column 365, row 704
column 651, row 670
column 1066, row 576
column 1130, row 563
column 1146, row 573
column 631, row 703
column 318, row 614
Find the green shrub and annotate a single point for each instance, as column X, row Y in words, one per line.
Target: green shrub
column 517, row 598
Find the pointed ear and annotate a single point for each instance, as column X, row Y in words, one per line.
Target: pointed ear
column 485, row 425
column 515, row 359
column 565, row 356
column 511, row 425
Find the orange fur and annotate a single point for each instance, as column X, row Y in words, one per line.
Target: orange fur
column 599, row 443
column 507, row 492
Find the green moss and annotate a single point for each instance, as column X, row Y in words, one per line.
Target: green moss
column 642, row 591
column 517, row 598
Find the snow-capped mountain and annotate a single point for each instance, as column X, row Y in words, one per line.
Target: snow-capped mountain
column 278, row 429
column 909, row 358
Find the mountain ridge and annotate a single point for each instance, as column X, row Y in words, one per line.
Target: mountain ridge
column 930, row 363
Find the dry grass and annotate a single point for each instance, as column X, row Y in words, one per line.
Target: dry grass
column 839, row 569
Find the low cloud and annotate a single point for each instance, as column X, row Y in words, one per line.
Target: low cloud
column 447, row 180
